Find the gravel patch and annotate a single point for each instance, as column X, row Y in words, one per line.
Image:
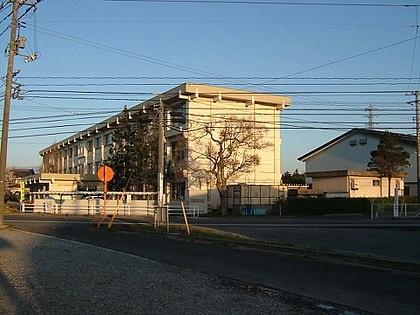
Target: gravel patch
column 46, row 275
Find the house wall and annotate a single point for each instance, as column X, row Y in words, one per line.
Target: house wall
column 344, row 156
column 368, row 189
column 329, row 185
column 365, row 186
column 52, row 182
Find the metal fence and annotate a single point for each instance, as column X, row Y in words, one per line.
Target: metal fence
column 404, row 210
column 92, row 203
column 176, row 210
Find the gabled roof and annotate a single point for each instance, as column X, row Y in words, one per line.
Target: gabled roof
column 403, row 138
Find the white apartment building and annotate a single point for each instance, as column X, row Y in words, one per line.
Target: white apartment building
column 188, row 107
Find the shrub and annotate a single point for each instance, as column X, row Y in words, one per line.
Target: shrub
column 322, row 206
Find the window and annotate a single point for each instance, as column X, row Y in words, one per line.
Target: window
column 90, row 168
column 108, row 139
column 90, row 145
column 376, row 182
column 81, row 149
column 363, row 141
column 97, row 165
column 178, row 191
column 76, row 150
column 98, row 142
column 70, row 152
column 353, row 142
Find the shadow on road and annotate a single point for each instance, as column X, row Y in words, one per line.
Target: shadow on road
column 11, row 300
column 360, row 287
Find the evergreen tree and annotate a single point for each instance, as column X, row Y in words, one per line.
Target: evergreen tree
column 295, row 178
column 389, row 158
column 133, row 154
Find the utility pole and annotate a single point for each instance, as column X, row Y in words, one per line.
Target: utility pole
column 6, row 109
column 161, row 161
column 417, row 101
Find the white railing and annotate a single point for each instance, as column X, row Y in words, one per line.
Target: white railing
column 90, row 207
column 146, row 208
column 176, row 210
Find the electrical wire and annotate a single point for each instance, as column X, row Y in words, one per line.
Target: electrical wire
column 209, row 78
column 219, row 84
column 265, row 2
column 414, row 50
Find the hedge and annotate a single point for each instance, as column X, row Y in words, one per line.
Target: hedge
column 320, row 206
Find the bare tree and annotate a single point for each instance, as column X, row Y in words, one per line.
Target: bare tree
column 222, row 151
column 11, row 181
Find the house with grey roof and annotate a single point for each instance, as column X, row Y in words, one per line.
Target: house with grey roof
column 339, row 167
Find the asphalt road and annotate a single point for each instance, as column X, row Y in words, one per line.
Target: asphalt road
column 368, row 289
column 388, row 239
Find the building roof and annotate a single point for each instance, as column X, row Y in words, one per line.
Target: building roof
column 341, row 173
column 403, row 138
column 23, row 172
column 187, row 91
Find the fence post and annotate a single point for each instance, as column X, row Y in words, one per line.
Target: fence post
column 167, row 219
column 371, row 210
column 22, row 206
column 395, row 213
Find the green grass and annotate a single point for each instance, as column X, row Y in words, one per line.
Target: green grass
column 199, row 233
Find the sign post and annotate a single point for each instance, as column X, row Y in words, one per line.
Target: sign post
column 105, row 175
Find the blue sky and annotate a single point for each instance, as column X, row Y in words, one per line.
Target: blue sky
column 221, row 40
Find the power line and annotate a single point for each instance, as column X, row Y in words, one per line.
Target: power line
column 414, row 51
column 119, row 51
column 219, row 84
column 210, row 78
column 192, row 70
column 25, row 119
column 32, row 135
column 229, row 93
column 264, row 2
column 351, row 57
column 230, row 21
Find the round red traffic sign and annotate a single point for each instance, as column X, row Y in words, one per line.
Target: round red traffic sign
column 105, row 173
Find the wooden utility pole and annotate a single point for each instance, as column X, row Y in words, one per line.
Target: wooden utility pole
column 6, row 109
column 417, row 101
column 161, row 162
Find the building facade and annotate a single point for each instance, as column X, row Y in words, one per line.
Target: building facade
column 352, row 184
column 350, row 154
column 189, row 109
